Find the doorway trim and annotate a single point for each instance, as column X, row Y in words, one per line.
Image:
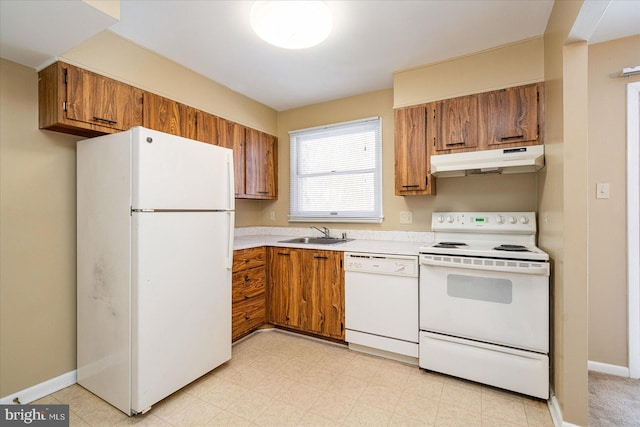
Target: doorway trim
column 633, row 226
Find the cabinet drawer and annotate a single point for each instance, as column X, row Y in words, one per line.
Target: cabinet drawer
column 248, row 258
column 248, row 284
column 247, row 315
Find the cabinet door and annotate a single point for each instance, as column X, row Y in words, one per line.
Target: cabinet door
column 456, row 122
column 323, row 293
column 509, row 117
column 206, row 128
column 232, row 135
column 98, row 100
column 261, row 165
column 412, row 151
column 166, row 115
column 284, row 292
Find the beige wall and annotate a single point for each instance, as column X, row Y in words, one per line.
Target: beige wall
column 514, row 64
column 37, row 239
column 607, row 218
column 561, row 196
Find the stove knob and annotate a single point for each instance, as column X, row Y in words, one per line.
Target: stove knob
column 500, row 219
column 524, row 220
column 440, row 219
column 449, row 219
column 512, row 220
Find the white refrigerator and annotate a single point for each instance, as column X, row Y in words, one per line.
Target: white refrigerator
column 155, row 216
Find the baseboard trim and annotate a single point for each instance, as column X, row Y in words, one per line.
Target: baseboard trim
column 556, row 413
column 605, row 368
column 41, row 390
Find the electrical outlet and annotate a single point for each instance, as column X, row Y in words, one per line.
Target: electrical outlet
column 602, row 190
column 406, row 217
column 272, row 215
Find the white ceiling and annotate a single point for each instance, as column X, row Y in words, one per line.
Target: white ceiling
column 370, row 39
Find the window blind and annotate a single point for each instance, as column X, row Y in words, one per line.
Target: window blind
column 336, row 172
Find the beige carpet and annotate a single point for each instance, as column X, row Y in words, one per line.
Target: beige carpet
column 613, row 401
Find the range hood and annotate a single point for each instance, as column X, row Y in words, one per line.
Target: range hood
column 507, row 160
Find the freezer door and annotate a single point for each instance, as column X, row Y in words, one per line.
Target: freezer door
column 181, row 300
column 170, row 172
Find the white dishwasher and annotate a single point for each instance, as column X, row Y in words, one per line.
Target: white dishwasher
column 381, row 304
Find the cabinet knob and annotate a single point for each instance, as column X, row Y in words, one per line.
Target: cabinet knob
column 246, row 297
column 247, row 318
column 246, row 278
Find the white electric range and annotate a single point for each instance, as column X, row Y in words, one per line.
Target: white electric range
column 484, row 301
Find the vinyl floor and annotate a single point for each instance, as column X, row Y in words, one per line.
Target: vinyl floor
column 281, row 379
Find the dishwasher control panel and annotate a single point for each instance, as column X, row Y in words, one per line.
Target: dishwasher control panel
column 396, row 265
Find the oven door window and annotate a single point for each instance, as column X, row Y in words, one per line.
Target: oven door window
column 480, row 288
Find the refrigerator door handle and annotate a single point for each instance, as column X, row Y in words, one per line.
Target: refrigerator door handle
column 230, row 230
column 232, row 186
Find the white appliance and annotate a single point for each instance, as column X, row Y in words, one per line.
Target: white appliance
column 484, row 301
column 155, row 227
column 503, row 161
column 381, row 304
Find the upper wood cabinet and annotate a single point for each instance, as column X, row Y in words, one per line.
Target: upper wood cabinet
column 511, row 117
column 456, row 124
column 79, row 102
column 206, row 128
column 261, row 156
column 232, row 135
column 412, row 151
column 168, row 116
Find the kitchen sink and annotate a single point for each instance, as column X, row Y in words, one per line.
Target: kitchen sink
column 316, row 240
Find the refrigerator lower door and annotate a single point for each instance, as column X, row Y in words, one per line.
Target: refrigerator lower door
column 181, row 301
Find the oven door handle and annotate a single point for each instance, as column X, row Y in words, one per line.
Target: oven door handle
column 489, row 264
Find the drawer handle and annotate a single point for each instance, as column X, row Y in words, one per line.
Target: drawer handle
column 506, row 138
column 450, row 144
column 283, row 253
column 320, row 257
column 263, row 192
column 410, row 186
column 100, row 119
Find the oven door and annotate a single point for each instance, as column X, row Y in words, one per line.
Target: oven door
column 495, row 301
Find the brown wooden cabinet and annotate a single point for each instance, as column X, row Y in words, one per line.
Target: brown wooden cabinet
column 456, row 124
column 232, row 135
column 510, row 117
column 261, row 157
column 323, row 293
column 248, row 291
column 412, row 151
column 306, row 291
column 79, row 102
column 284, row 290
column 168, row 116
column 206, row 127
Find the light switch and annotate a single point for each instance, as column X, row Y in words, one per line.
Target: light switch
column 406, row 217
column 602, row 190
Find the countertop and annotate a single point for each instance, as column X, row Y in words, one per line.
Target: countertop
column 365, row 241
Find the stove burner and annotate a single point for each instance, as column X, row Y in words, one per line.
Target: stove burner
column 512, row 248
column 449, row 245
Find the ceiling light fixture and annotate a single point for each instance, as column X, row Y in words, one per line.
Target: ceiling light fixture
column 291, row 24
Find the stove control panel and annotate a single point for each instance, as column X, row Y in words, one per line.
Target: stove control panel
column 486, row 222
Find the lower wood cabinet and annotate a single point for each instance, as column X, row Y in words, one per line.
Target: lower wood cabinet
column 248, row 291
column 306, row 290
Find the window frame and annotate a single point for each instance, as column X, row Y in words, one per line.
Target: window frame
column 298, row 215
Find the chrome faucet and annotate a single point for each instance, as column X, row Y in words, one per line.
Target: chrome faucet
column 323, row 230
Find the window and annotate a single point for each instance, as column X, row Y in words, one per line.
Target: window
column 336, row 172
